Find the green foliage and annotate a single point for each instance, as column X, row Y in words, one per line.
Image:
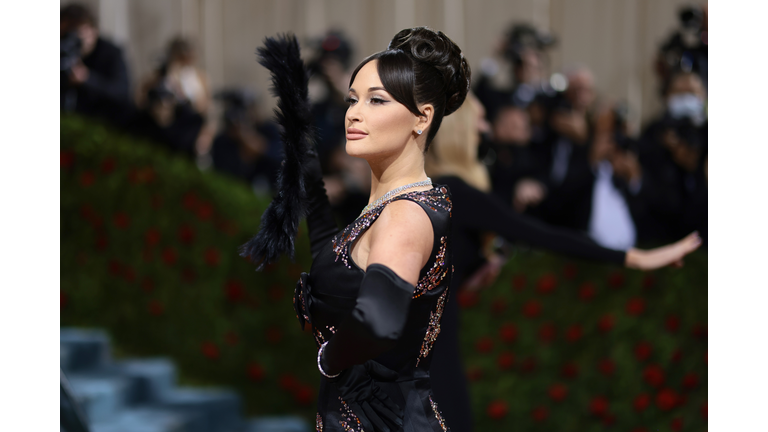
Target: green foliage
column 149, row 252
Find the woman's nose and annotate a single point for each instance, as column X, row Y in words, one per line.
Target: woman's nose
column 353, row 114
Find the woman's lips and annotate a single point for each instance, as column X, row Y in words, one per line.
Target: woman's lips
column 355, row 134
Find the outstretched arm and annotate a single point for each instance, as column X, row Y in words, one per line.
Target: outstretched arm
column 401, row 242
column 322, row 226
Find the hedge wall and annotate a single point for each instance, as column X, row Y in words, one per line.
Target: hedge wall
column 148, row 251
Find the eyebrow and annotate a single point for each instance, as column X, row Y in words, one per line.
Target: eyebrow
column 370, row 89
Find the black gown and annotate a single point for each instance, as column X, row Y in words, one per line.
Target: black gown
column 329, row 294
column 474, row 213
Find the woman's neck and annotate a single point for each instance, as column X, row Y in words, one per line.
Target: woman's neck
column 402, row 170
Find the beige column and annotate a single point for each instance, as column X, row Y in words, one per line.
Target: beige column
column 453, row 16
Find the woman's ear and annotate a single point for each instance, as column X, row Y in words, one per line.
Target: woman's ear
column 428, row 113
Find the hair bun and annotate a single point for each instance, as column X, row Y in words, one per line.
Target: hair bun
column 436, row 49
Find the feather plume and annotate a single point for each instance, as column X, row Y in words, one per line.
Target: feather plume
column 280, row 222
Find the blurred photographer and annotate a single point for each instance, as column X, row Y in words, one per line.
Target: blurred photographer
column 248, row 148
column 673, row 151
column 687, row 49
column 94, row 78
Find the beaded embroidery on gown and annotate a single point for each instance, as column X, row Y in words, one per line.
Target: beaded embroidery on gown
column 328, row 294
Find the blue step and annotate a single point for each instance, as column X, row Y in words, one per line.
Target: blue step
column 217, row 410
column 145, row 420
column 152, row 379
column 277, row 424
column 100, row 397
column 83, row 349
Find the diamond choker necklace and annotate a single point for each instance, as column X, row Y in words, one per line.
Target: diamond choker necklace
column 427, row 182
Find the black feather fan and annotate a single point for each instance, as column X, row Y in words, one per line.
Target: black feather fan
column 280, row 222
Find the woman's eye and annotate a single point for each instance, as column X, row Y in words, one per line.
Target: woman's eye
column 350, row 100
column 377, row 101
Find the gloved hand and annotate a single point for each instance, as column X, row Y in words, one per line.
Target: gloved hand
column 375, row 410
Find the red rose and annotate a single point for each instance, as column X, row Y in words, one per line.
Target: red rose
column 152, row 237
column 303, row 395
column 691, row 381
column 570, row 370
column 147, row 255
column 188, row 275
column 540, row 413
column 147, row 285
column 186, row 234
column 508, row 332
column 255, row 372
column 67, row 158
column 484, row 344
column 667, row 399
column 609, row 419
column 204, row 211
column 288, row 382
column 558, row 392
column 467, row 299
column 528, row 365
column 107, row 165
column 672, row 323
column 115, row 268
column 607, row 367
column 546, row 284
column 573, row 333
column 653, row 375
column 121, row 220
column 569, row 271
column 274, row 335
column 635, row 306
column 156, row 201
column 474, row 373
column 704, row 410
column 212, row 257
column 101, row 242
column 532, row 309
column 155, row 308
column 649, row 281
column 87, row 178
column 276, row 292
column 642, row 351
column 190, row 201
column 498, row 306
column 519, row 282
column 606, row 323
column 231, row 338
column 505, row 360
column 700, row 331
column 210, row 350
column 616, row 279
column 547, row 332
column 169, row 256
column 497, row 409
column 642, row 401
column 677, row 355
column 234, row 291
column 87, row 212
column 129, row 274
column 677, row 424
column 586, row 291
column 598, row 406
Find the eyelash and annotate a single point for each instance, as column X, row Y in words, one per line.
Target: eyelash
column 375, row 100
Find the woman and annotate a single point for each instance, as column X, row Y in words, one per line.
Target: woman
column 376, row 290
column 453, row 160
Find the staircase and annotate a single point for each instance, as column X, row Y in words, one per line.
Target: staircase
column 140, row 395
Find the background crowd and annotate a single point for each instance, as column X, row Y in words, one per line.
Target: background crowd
column 554, row 148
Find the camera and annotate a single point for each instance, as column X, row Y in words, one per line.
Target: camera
column 237, row 104
column 70, row 46
column 686, row 49
column 524, row 36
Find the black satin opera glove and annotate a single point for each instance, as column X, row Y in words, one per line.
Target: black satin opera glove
column 375, row 410
column 375, row 324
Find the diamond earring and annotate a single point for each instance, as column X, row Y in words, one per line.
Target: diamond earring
column 418, row 131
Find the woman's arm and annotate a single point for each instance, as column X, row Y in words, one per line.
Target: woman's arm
column 320, row 221
column 401, row 242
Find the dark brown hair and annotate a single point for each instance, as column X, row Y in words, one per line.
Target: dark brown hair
column 423, row 66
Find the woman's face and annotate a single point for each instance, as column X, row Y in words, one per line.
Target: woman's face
column 377, row 125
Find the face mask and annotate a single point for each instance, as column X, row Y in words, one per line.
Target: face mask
column 686, row 105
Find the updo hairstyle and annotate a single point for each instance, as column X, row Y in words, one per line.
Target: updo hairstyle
column 423, row 66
